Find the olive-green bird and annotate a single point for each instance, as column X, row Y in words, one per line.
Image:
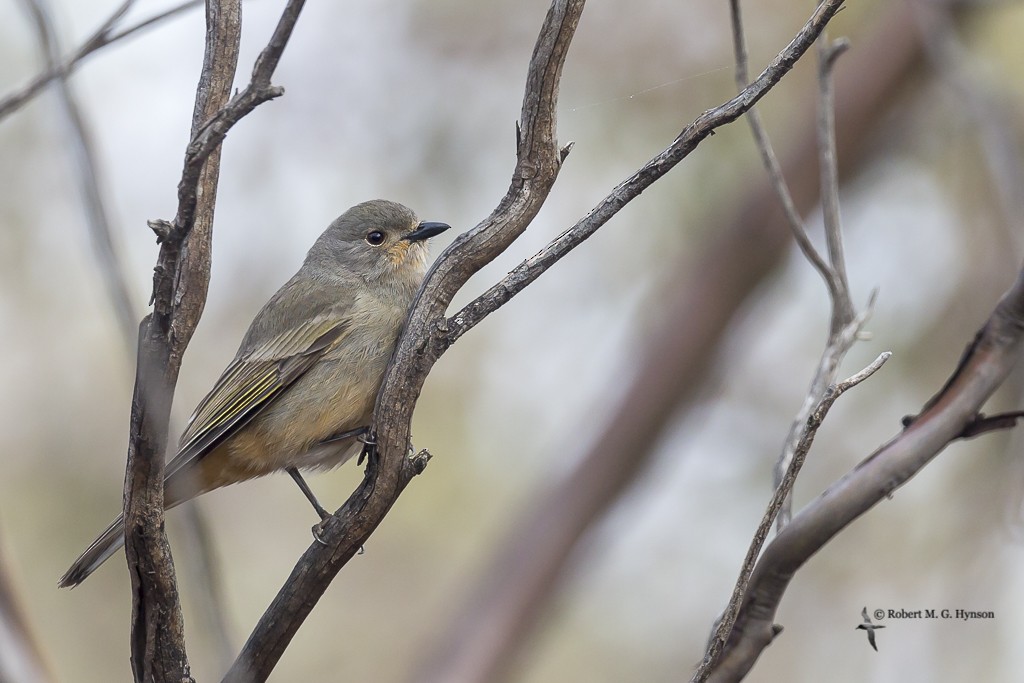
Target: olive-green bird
column 303, row 384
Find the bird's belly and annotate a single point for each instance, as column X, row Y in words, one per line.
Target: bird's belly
column 291, row 431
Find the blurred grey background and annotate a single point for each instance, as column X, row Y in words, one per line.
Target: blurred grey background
column 416, row 101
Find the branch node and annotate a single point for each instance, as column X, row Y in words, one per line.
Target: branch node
column 269, row 92
column 982, row 423
column 162, row 229
column 420, row 460
column 834, row 50
column 564, row 152
column 871, row 369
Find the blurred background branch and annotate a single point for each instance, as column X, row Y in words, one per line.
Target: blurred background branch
column 98, row 221
column 22, row 659
column 105, row 35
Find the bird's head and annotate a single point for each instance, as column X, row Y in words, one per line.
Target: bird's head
column 379, row 240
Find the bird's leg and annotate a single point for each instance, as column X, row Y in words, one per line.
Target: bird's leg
column 369, row 450
column 359, row 433
column 308, row 492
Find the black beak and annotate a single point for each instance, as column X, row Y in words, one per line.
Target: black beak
column 425, row 230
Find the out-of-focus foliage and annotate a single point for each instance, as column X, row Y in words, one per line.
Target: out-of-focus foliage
column 417, row 101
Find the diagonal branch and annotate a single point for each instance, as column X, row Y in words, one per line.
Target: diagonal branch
column 691, row 136
column 949, row 415
column 782, row 492
column 428, row 333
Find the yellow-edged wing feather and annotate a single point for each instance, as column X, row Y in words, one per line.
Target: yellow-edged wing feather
column 250, row 384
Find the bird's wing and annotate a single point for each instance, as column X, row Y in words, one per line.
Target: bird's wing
column 251, row 383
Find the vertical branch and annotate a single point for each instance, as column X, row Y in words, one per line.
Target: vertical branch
column 770, row 160
column 842, row 307
column 845, row 325
column 179, row 294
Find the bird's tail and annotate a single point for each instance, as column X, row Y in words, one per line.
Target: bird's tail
column 95, row 555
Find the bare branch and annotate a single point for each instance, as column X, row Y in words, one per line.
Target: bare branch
column 101, row 38
column 945, row 418
column 845, row 325
column 771, row 162
column 179, row 294
column 200, row 560
column 842, row 307
column 180, row 279
column 982, row 424
column 211, row 131
column 538, row 162
column 703, row 126
column 745, row 246
column 88, row 178
column 801, row 436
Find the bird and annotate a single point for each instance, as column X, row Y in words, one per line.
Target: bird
column 870, row 628
column 300, row 391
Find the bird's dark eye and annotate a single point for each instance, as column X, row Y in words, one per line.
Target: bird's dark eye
column 375, row 238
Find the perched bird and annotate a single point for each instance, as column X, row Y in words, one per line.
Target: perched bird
column 302, row 386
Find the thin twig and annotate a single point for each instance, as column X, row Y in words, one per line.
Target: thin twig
column 100, row 38
column 944, row 419
column 845, row 325
column 843, row 332
column 782, row 492
column 212, row 132
column 838, row 345
column 842, row 306
column 88, row 175
column 771, row 162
